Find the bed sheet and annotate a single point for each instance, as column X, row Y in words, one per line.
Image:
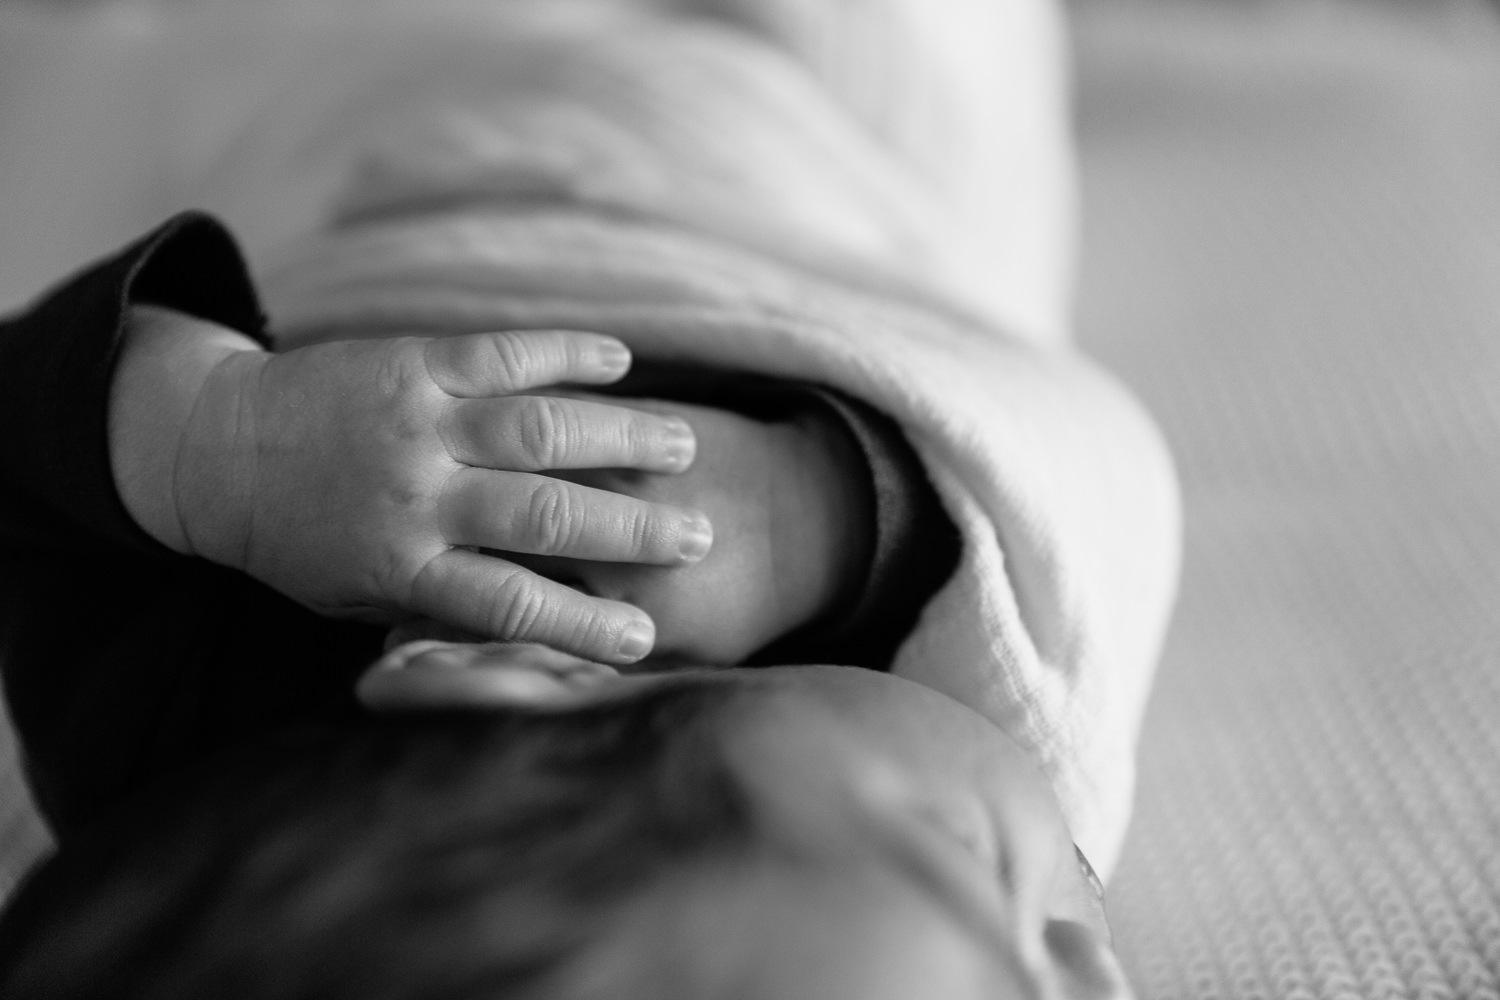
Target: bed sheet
column 1292, row 250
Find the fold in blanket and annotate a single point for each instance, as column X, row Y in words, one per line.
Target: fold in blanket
column 690, row 188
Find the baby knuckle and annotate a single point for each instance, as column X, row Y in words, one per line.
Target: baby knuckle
column 643, row 529
column 420, row 584
column 391, row 572
column 551, row 525
column 545, row 431
column 517, row 607
column 511, row 357
column 400, row 368
column 455, row 425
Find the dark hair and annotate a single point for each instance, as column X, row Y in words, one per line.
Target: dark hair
column 437, row 856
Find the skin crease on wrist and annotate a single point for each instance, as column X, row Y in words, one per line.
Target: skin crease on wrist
column 972, row 887
column 158, row 378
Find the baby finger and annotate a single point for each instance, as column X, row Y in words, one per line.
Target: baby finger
column 539, row 515
column 492, row 597
column 494, row 364
column 535, row 433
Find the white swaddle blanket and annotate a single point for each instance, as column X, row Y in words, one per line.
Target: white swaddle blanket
column 701, row 189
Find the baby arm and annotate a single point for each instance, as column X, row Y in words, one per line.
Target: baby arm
column 362, row 477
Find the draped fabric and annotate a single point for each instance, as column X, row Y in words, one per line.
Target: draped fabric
column 1293, row 252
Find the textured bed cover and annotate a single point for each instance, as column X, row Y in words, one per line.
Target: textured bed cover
column 1293, row 253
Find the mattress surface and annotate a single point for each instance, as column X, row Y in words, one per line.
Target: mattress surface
column 1293, row 253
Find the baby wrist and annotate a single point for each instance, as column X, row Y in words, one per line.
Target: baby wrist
column 176, row 428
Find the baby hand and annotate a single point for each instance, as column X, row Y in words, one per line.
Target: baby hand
column 360, row 478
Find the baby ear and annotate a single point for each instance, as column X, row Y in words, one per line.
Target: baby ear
column 431, row 674
column 1085, row 961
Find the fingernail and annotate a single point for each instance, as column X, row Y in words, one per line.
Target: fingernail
column 636, row 642
column 614, row 358
column 696, row 538
column 681, row 444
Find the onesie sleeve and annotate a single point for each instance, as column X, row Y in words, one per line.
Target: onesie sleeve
column 121, row 658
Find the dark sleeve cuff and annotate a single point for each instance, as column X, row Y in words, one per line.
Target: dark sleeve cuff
column 914, row 550
column 57, row 361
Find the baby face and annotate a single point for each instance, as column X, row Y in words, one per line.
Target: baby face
column 949, row 870
column 973, row 886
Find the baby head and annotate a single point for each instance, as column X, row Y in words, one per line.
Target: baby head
column 775, row 833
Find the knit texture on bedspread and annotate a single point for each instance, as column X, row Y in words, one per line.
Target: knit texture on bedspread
column 1293, row 252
